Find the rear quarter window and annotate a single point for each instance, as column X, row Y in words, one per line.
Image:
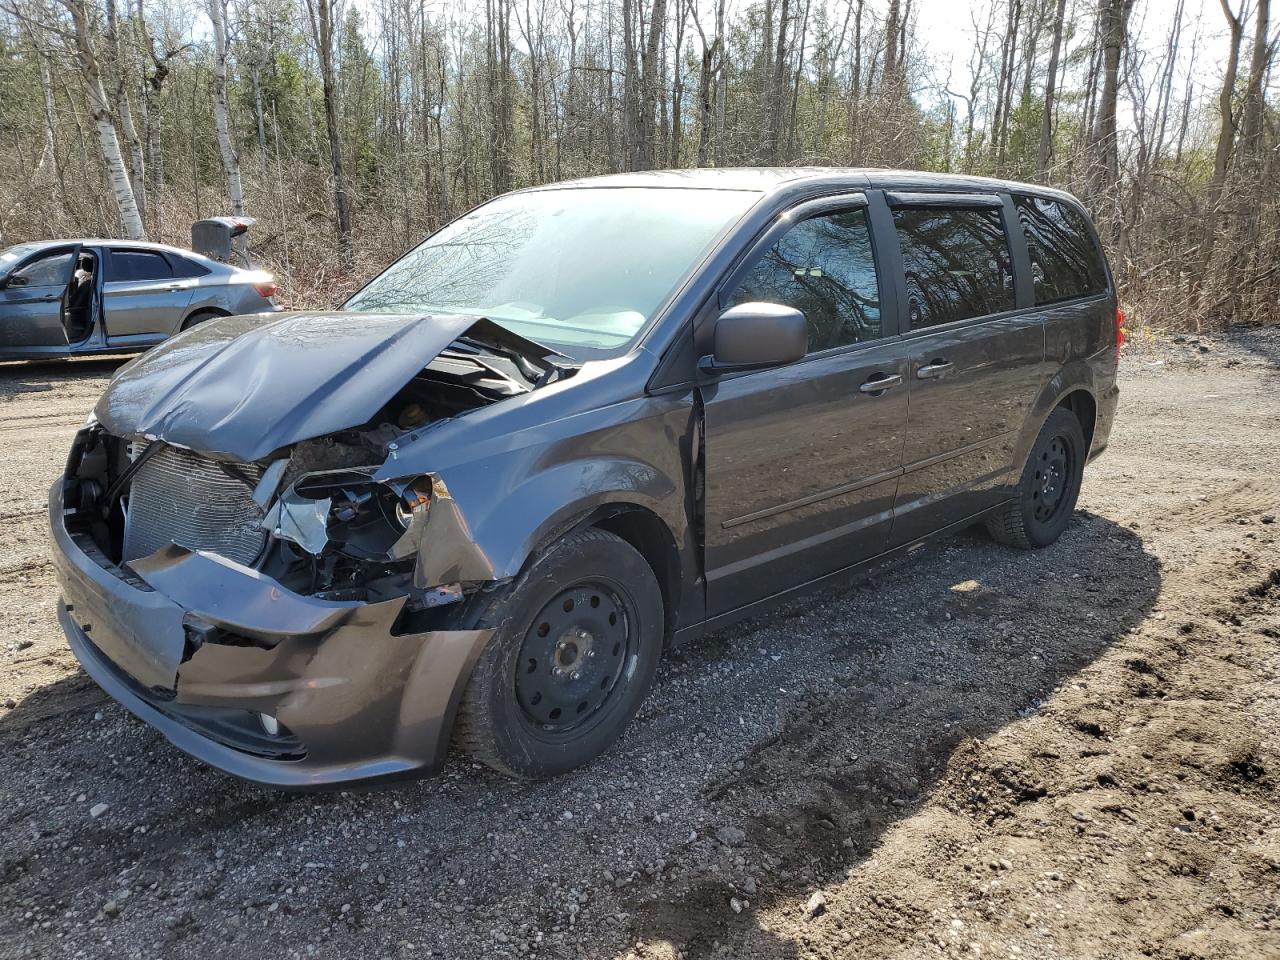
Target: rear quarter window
column 182, row 267
column 1065, row 261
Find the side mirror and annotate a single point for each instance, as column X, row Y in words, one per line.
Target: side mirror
column 18, row 280
column 752, row 336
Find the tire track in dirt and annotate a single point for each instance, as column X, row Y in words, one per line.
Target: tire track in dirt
column 41, row 423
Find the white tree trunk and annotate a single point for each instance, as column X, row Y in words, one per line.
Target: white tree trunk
column 100, row 107
column 230, row 162
column 137, row 169
column 117, row 172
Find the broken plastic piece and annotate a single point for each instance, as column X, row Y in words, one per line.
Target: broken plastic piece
column 301, row 521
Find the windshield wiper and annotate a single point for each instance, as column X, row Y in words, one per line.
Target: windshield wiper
column 549, row 368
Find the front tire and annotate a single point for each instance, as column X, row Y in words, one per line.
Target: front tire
column 1050, row 485
column 576, row 644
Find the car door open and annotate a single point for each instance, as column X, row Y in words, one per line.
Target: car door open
column 802, row 460
column 31, row 301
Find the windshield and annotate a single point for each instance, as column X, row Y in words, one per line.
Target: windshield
column 10, row 256
column 580, row 270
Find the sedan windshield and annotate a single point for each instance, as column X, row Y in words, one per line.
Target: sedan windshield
column 11, row 255
column 581, row 270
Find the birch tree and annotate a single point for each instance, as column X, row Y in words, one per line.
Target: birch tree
column 226, row 148
column 104, row 121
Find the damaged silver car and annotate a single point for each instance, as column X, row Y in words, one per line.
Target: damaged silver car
column 575, row 426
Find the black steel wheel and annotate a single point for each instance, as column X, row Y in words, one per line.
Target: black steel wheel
column 576, row 643
column 1045, row 497
column 573, row 655
column 1051, row 479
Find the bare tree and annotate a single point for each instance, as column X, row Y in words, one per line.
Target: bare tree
column 1226, row 141
column 1044, row 158
column 396, row 120
column 104, row 120
column 321, row 15
column 1113, row 16
column 124, row 110
column 230, row 162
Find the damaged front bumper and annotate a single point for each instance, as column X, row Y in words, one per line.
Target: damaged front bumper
column 261, row 682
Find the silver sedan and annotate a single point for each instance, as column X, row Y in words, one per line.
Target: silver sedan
column 70, row 297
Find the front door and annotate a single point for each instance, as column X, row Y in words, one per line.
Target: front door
column 141, row 297
column 31, row 300
column 802, row 461
column 976, row 361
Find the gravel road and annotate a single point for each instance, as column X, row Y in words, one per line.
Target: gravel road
column 971, row 751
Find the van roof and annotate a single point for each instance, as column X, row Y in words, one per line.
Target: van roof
column 769, row 179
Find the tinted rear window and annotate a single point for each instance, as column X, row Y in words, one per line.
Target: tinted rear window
column 182, row 267
column 1065, row 262
column 957, row 263
column 136, row 265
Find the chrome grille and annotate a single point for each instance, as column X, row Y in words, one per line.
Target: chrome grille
column 181, row 497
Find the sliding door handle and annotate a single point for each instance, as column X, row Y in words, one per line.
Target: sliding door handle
column 880, row 383
column 931, row 371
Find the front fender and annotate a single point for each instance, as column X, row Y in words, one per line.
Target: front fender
column 490, row 513
column 543, row 506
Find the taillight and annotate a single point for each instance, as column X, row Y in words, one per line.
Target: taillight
column 267, row 290
column 1119, row 331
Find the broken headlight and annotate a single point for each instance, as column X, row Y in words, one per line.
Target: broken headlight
column 348, row 512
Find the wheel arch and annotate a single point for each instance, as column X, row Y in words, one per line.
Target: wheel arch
column 641, row 528
column 213, row 311
column 1082, row 403
column 1072, row 386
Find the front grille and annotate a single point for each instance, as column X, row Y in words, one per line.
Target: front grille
column 181, row 497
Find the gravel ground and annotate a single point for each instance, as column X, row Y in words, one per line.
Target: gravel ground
column 972, row 751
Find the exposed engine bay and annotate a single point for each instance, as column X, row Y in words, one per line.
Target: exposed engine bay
column 310, row 516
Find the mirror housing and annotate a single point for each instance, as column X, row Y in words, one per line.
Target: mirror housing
column 752, row 336
column 14, row 281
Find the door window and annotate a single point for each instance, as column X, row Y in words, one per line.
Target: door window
column 53, row 269
column 1065, row 261
column 957, row 263
column 132, row 266
column 825, row 268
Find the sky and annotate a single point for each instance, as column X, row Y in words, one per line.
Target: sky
column 945, row 29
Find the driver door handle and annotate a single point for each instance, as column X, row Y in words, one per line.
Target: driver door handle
column 931, row 371
column 881, row 384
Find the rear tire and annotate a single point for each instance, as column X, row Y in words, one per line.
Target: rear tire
column 199, row 317
column 1046, row 495
column 576, row 643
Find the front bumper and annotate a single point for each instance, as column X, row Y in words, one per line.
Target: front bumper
column 354, row 700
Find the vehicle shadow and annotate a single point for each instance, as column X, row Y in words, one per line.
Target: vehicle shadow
column 812, row 731
column 914, row 692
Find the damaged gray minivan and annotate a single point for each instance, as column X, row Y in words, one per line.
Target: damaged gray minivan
column 575, row 426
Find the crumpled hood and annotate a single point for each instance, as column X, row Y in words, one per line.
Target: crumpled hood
column 248, row 386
